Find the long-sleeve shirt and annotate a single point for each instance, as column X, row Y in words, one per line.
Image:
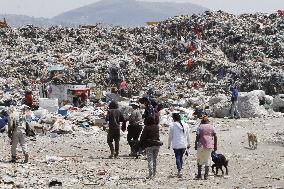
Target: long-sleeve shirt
column 179, row 135
column 114, row 117
column 136, row 118
column 150, row 134
column 16, row 120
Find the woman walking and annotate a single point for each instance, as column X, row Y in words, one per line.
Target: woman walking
column 179, row 140
column 150, row 140
column 206, row 141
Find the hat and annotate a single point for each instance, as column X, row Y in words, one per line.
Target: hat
column 134, row 104
column 205, row 118
column 175, row 112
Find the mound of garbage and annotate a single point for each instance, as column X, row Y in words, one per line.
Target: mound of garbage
column 210, row 48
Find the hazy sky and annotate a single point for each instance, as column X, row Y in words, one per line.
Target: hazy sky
column 50, row 8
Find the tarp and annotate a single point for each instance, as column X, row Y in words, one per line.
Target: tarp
column 57, row 67
column 152, row 23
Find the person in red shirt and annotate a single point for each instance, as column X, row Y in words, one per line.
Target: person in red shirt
column 189, row 64
column 29, row 99
column 123, row 86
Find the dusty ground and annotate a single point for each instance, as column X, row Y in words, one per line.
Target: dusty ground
column 260, row 168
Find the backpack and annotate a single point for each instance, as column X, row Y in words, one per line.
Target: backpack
column 153, row 113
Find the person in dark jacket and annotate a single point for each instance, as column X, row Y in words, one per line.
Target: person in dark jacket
column 134, row 128
column 150, row 140
column 114, row 117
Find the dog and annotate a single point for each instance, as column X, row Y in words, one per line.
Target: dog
column 219, row 161
column 252, row 140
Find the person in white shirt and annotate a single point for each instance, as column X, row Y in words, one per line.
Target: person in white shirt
column 179, row 140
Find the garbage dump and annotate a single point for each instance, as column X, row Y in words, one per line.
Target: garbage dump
column 210, row 48
column 188, row 64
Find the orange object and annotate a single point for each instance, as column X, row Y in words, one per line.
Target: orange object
column 190, row 63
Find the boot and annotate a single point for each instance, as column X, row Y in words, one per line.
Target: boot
column 206, row 172
column 13, row 160
column 116, row 154
column 154, row 172
column 179, row 174
column 111, row 150
column 116, row 149
column 198, row 176
column 26, row 158
column 150, row 176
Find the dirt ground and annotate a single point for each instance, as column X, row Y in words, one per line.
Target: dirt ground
column 80, row 160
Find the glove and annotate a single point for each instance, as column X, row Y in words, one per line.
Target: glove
column 169, row 147
column 123, row 128
column 186, row 153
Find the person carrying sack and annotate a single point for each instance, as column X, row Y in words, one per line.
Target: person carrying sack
column 17, row 130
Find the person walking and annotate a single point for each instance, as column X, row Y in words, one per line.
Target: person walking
column 29, row 99
column 206, row 141
column 150, row 140
column 234, row 101
column 179, row 140
column 17, row 125
column 134, row 128
column 114, row 117
column 123, row 87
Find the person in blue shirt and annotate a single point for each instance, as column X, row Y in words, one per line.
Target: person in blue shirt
column 234, row 113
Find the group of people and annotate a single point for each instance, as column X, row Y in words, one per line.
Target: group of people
column 143, row 134
column 146, row 126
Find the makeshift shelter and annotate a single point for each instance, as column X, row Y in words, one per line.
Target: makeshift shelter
column 77, row 94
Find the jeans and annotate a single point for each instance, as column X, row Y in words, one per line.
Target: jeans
column 234, row 109
column 179, row 155
column 152, row 154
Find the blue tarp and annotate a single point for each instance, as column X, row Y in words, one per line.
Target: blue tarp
column 3, row 121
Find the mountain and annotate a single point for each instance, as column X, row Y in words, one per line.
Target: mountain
column 126, row 12
column 110, row 12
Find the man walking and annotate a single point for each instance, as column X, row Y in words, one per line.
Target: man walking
column 234, row 99
column 17, row 125
column 114, row 117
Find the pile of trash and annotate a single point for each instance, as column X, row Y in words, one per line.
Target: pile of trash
column 185, row 61
column 210, row 48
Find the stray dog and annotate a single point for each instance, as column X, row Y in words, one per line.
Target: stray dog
column 219, row 161
column 252, row 140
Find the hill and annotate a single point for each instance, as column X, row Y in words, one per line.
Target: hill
column 21, row 20
column 126, row 12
